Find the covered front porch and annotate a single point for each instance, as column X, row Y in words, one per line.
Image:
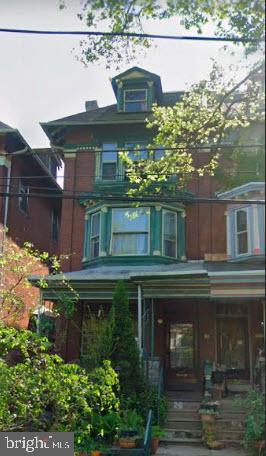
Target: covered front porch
column 185, row 314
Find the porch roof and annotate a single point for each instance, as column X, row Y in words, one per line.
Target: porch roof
column 190, row 279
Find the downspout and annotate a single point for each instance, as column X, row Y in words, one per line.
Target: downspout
column 7, row 191
column 140, row 319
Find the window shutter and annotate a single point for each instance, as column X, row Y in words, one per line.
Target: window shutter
column 181, row 233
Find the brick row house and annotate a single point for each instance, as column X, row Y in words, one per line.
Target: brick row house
column 24, row 170
column 194, row 271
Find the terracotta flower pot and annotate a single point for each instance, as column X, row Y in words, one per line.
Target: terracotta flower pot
column 126, row 442
column 96, row 453
column 154, row 445
column 207, row 417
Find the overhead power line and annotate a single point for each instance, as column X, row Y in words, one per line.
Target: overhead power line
column 142, row 199
column 119, row 177
column 155, row 36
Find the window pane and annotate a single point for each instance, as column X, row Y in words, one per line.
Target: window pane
column 135, row 106
column 135, row 95
column 140, row 154
column 130, row 244
column 241, row 220
column 170, row 233
column 242, row 242
column 109, row 157
column 158, row 154
column 181, row 346
column 130, row 219
column 109, row 171
column 170, row 225
column 95, row 224
column 95, row 247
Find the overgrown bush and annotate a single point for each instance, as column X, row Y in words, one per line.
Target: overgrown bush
column 42, row 393
column 254, row 403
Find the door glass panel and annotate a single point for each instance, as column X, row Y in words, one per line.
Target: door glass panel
column 181, row 346
column 232, row 343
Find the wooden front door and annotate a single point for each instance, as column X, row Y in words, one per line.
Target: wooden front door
column 181, row 365
column 233, row 347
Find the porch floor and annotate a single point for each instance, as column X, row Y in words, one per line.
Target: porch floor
column 184, row 450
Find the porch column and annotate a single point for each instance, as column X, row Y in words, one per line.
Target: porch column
column 140, row 319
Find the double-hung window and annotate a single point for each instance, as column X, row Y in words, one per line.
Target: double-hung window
column 23, row 200
column 109, row 161
column 136, row 151
column 135, row 100
column 241, row 232
column 130, row 231
column 95, row 235
column 169, row 234
column 55, row 225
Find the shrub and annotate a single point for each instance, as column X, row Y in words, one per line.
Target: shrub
column 125, row 353
column 254, row 403
column 43, row 393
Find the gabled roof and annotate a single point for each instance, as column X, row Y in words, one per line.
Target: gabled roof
column 5, row 128
column 250, row 187
column 109, row 115
column 135, row 73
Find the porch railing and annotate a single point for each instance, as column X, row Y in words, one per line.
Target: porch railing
column 160, row 393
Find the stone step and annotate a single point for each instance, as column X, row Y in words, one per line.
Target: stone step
column 183, row 433
column 223, row 424
column 183, row 423
column 230, row 435
column 181, row 405
column 188, row 415
column 232, row 416
column 192, row 442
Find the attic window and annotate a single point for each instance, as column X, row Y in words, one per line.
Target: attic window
column 135, row 100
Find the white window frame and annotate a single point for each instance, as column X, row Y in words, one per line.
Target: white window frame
column 145, row 100
column 131, row 232
column 24, row 190
column 95, row 236
column 176, row 233
column 109, row 161
column 245, row 209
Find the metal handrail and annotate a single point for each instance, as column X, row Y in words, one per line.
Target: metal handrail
column 160, row 392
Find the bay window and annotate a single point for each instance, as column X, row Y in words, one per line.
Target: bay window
column 95, row 235
column 169, row 234
column 130, row 231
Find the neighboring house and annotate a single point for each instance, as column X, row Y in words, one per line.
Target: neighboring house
column 190, row 302
column 22, row 171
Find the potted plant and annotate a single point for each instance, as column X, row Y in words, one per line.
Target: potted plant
column 157, row 434
column 130, row 429
column 208, row 411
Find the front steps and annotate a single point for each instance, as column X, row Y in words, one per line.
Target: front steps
column 231, row 423
column 182, row 425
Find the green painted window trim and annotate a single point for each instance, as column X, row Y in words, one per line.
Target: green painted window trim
column 164, row 212
column 155, row 241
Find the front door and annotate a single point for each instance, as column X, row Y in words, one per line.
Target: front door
column 181, row 356
column 233, row 347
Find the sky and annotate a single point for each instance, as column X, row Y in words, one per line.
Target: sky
column 41, row 79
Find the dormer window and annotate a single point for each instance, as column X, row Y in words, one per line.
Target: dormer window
column 135, row 100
